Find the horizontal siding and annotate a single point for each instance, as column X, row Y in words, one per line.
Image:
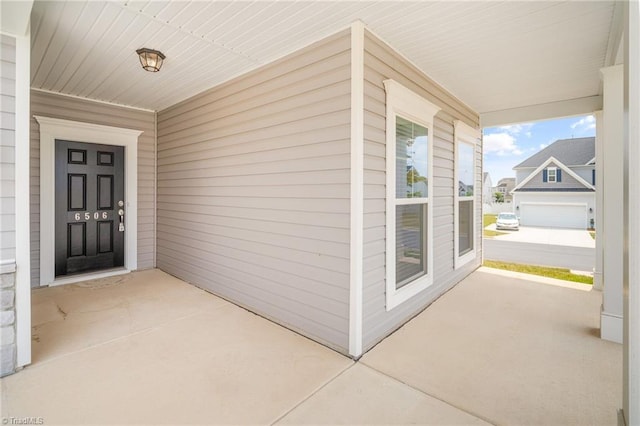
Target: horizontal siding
column 7, row 147
column 381, row 63
column 67, row 108
column 254, row 193
column 567, row 181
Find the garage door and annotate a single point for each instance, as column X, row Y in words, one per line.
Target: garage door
column 554, row 215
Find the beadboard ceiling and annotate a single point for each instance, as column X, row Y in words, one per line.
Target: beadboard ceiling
column 493, row 55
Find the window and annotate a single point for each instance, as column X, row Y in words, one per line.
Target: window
column 466, row 138
column 409, row 190
column 552, row 174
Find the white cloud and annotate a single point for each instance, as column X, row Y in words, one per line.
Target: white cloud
column 543, row 145
column 585, row 124
column 516, row 129
column 500, row 144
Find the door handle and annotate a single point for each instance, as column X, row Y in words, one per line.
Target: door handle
column 121, row 214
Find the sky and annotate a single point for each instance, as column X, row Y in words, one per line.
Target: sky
column 507, row 146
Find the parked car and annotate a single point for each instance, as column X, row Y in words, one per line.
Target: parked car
column 507, row 221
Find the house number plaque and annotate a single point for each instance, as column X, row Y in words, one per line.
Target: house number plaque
column 88, row 216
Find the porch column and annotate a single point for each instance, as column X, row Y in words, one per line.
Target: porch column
column 611, row 228
column 597, row 272
column 631, row 350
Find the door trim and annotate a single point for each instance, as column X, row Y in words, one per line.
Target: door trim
column 54, row 128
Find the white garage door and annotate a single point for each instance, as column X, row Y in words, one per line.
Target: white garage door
column 554, row 215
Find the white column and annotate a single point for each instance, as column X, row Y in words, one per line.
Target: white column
column 631, row 351
column 597, row 272
column 612, row 209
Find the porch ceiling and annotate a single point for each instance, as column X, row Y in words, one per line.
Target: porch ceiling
column 494, row 56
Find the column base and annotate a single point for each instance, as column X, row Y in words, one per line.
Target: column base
column 611, row 327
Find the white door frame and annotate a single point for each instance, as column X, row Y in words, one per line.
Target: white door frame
column 54, row 128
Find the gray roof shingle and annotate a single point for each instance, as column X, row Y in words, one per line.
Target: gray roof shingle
column 571, row 152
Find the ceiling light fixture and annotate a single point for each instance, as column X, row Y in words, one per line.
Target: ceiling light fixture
column 150, row 59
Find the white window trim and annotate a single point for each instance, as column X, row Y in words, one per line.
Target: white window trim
column 463, row 133
column 52, row 129
column 555, row 175
column 407, row 104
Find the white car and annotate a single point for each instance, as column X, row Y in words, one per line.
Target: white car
column 507, row 221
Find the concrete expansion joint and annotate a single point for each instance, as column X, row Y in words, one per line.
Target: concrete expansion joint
column 315, row 391
column 476, row 415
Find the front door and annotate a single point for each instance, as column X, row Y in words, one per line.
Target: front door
column 89, row 208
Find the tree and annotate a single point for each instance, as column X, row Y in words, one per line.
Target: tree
column 499, row 197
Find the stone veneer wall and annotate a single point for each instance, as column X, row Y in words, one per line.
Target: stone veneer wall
column 7, row 324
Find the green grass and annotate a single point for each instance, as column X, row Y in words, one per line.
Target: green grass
column 487, row 220
column 543, row 271
column 487, row 233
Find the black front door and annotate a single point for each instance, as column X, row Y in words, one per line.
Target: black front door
column 89, row 207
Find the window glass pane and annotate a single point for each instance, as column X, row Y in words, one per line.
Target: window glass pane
column 411, row 159
column 465, row 227
column 465, row 169
column 410, row 243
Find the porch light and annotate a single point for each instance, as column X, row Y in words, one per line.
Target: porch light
column 150, row 59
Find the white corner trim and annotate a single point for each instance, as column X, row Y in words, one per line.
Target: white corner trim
column 22, row 199
column 464, row 134
column 405, row 103
column 356, row 271
column 561, row 166
column 52, row 129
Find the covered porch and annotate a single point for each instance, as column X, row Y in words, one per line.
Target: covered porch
column 148, row 348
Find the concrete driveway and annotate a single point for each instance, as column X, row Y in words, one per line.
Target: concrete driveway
column 553, row 236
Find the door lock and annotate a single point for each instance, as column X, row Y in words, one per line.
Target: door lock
column 121, row 214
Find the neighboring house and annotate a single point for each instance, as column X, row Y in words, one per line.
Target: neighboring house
column 556, row 186
column 505, row 186
column 487, row 188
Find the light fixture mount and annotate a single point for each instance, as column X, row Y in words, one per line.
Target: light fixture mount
column 151, row 60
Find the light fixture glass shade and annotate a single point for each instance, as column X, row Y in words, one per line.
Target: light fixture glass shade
column 150, row 59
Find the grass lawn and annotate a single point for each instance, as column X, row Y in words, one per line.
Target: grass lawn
column 487, row 220
column 543, row 271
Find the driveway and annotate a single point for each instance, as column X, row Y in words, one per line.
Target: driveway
column 553, row 236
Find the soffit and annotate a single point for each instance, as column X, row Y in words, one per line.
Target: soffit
column 491, row 55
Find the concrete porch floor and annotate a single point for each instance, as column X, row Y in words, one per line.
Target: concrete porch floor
column 147, row 348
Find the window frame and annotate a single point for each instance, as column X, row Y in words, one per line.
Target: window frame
column 465, row 134
column 403, row 102
column 555, row 175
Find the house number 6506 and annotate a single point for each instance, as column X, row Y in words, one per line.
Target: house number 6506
column 87, row 216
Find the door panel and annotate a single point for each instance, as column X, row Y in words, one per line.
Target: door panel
column 553, row 215
column 89, row 187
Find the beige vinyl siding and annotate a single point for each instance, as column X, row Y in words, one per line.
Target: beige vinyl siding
column 567, row 182
column 7, row 148
column 380, row 63
column 254, row 194
column 69, row 108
